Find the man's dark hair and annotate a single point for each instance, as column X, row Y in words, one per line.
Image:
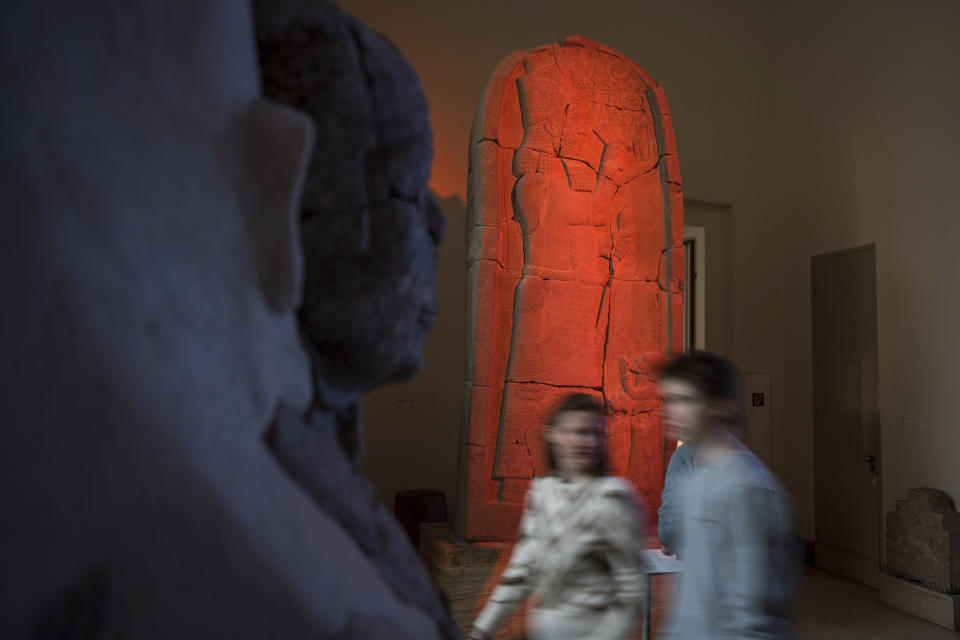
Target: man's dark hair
column 580, row 402
column 712, row 375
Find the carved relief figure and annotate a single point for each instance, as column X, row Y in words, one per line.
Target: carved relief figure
column 574, row 214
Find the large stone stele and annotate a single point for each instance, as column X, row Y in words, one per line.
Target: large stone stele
column 574, row 271
column 923, row 540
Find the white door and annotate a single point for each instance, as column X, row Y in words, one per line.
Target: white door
column 846, row 419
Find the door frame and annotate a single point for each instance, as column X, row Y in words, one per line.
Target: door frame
column 697, row 282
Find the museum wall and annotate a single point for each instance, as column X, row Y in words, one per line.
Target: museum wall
column 718, row 67
column 823, row 127
column 869, row 146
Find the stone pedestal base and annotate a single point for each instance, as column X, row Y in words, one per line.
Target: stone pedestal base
column 467, row 573
column 938, row 608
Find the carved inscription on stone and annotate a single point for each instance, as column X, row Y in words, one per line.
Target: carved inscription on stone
column 574, row 276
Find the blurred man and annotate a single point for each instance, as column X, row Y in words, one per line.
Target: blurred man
column 668, row 516
column 737, row 543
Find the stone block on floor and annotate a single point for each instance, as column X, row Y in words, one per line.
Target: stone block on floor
column 923, row 541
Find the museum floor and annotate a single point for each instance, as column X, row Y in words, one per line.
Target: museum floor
column 833, row 608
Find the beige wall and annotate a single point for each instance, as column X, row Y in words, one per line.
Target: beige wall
column 822, row 125
column 717, row 63
column 869, row 151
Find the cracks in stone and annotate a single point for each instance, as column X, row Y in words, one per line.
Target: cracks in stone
column 565, row 154
column 607, row 293
column 568, row 170
column 616, row 187
column 613, row 106
column 515, row 319
column 634, row 413
column 496, row 260
column 655, row 167
column 556, row 60
column 553, row 386
column 496, row 142
column 647, row 280
column 563, row 128
column 670, row 179
column 603, row 299
column 526, row 445
column 589, row 283
column 603, row 362
column 663, row 258
column 586, row 162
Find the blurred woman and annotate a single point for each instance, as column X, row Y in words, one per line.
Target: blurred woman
column 579, row 552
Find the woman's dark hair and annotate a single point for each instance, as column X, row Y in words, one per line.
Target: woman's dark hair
column 580, row 402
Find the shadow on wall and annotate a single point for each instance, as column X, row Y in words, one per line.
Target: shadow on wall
column 411, row 429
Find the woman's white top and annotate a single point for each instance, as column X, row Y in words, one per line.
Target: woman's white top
column 580, row 548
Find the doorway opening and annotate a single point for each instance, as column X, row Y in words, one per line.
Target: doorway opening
column 694, row 287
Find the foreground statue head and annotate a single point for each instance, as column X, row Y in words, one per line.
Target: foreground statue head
column 370, row 226
column 153, row 272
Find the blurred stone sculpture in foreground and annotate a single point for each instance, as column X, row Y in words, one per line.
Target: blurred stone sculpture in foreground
column 371, row 232
column 164, row 436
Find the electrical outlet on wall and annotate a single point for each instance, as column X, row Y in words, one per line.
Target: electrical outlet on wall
column 912, row 424
column 758, row 433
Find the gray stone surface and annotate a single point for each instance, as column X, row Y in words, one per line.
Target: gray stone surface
column 923, row 540
column 370, row 226
column 371, row 232
column 172, row 465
